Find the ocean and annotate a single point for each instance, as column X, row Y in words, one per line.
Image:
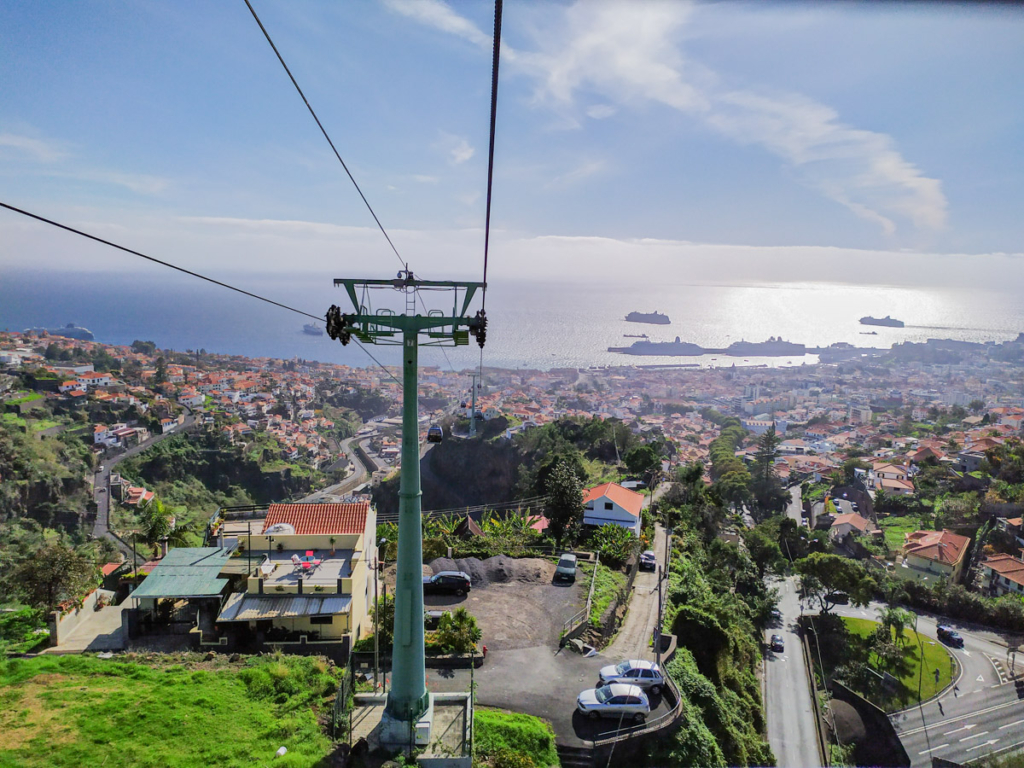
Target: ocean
column 532, row 324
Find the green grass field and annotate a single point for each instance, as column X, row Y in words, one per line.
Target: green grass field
column 82, row 711
column 935, row 657
column 496, row 731
column 895, row 528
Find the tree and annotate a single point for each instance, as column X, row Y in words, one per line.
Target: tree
column 458, row 632
column 55, row 574
column 823, row 575
column 161, row 371
column 734, row 487
column 384, row 620
column 764, row 551
column 643, row 461
column 565, row 503
column 769, row 496
column 976, row 405
column 144, row 347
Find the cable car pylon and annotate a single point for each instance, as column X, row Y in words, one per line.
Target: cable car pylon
column 407, row 714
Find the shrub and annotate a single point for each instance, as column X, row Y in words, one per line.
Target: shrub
column 497, row 732
column 615, row 543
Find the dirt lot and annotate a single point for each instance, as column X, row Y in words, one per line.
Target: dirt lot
column 515, row 601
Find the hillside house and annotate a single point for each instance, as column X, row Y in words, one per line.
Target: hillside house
column 1002, row 575
column 610, row 503
column 285, row 601
column 931, row 556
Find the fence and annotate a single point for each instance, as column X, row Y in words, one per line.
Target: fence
column 632, row 731
column 341, row 714
column 574, row 624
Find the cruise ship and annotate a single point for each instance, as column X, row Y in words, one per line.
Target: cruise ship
column 313, row 329
column 69, row 331
column 654, row 318
column 889, row 322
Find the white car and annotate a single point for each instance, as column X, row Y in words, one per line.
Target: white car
column 643, row 674
column 615, row 700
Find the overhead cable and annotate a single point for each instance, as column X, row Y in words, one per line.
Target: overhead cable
column 490, row 152
column 167, row 264
column 324, row 132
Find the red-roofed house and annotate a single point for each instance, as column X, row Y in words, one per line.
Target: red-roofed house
column 610, row 503
column 846, row 524
column 1002, row 575
column 314, row 519
column 931, row 556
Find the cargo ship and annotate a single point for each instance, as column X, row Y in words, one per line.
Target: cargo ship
column 889, row 322
column 69, row 331
column 313, row 329
column 654, row 318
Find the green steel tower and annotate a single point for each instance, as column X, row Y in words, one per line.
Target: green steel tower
column 407, row 700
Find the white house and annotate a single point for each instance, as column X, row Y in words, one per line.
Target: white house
column 611, row 503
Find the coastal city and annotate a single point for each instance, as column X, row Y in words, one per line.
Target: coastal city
column 511, row 385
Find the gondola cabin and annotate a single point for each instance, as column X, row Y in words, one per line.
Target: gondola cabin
column 434, row 434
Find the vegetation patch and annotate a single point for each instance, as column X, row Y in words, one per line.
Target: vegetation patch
column 607, row 585
column 77, row 710
column 512, row 740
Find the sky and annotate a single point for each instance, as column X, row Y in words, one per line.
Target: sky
column 709, row 142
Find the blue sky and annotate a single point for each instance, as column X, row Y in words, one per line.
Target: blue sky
column 872, row 142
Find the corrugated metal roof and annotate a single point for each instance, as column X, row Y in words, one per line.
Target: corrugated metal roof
column 187, row 572
column 242, row 606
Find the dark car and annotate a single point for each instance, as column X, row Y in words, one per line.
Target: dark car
column 777, row 643
column 950, row 636
column 447, row 582
column 839, row 598
column 648, row 561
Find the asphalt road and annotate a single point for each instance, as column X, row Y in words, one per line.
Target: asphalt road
column 347, row 485
column 983, row 714
column 795, row 504
column 101, row 485
column 633, row 639
column 790, row 708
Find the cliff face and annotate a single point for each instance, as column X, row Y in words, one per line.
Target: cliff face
column 459, row 473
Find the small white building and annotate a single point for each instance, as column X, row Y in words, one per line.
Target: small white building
column 610, row 503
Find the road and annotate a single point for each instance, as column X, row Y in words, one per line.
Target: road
column 350, row 483
column 790, row 707
column 983, row 715
column 795, row 505
column 633, row 640
column 101, row 485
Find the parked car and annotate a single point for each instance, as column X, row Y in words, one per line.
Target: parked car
column 950, row 636
column 615, row 700
column 839, row 598
column 643, row 674
column 648, row 561
column 447, row 582
column 777, row 643
column 566, row 568
column 776, row 614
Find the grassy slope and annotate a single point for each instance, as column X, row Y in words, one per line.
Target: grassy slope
column 495, row 729
column 935, row 657
column 80, row 711
column 608, row 584
column 896, row 526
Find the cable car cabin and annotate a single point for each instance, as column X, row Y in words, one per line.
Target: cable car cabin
column 463, row 404
column 434, row 434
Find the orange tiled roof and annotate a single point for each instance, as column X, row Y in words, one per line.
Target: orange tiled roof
column 940, row 546
column 1006, row 565
column 631, row 501
column 320, row 518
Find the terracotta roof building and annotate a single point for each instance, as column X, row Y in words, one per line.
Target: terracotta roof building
column 931, row 556
column 314, row 519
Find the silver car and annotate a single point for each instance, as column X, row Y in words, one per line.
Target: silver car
column 615, row 700
column 643, row 674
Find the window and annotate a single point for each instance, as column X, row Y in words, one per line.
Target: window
column 321, row 619
column 607, row 505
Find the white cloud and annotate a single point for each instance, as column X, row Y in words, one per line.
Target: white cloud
column 626, row 54
column 457, row 148
column 582, row 171
column 601, row 111
column 422, row 179
column 45, row 151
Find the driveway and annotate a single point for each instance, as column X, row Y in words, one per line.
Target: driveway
column 633, row 640
column 524, row 670
column 99, row 631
